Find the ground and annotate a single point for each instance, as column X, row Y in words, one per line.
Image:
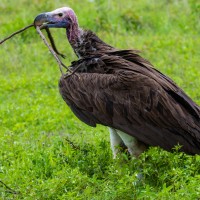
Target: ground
column 37, row 129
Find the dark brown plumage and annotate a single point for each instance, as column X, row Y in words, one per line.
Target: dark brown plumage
column 120, row 89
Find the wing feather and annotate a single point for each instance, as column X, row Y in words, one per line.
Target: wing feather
column 135, row 98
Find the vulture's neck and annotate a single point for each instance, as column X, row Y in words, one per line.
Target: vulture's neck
column 85, row 43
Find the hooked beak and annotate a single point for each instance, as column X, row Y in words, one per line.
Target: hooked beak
column 49, row 20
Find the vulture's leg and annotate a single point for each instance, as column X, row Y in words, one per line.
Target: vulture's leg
column 115, row 141
column 134, row 146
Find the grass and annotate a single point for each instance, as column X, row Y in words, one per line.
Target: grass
column 36, row 159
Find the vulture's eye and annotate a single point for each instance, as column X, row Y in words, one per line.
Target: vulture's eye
column 60, row 14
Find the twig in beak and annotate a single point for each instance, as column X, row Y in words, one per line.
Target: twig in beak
column 51, row 50
column 52, row 43
column 19, row 31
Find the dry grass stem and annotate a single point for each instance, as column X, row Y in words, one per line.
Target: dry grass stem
column 73, row 146
column 8, row 188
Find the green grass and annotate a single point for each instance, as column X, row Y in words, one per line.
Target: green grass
column 36, row 159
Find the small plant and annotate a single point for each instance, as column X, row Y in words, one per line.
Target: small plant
column 131, row 21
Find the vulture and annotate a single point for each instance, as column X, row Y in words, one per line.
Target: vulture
column 123, row 91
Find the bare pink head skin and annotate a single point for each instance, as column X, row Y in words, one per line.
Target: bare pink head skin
column 63, row 17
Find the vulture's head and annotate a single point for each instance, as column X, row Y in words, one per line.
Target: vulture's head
column 59, row 18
